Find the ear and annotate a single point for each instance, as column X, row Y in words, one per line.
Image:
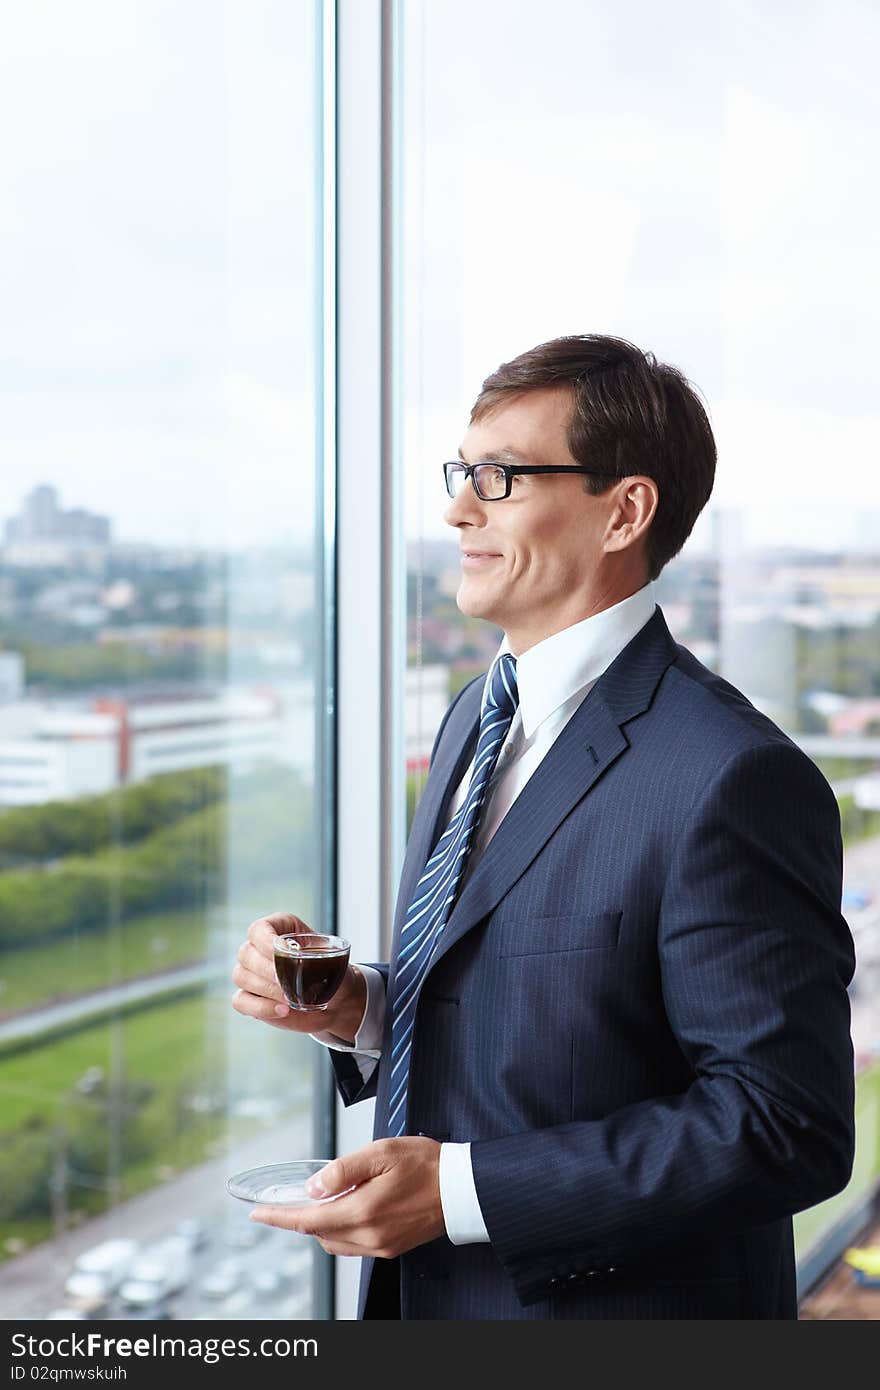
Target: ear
column 634, row 510
column 640, row 498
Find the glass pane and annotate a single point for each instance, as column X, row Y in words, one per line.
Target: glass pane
column 158, row 671
column 704, row 187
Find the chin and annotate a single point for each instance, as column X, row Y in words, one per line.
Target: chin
column 471, row 607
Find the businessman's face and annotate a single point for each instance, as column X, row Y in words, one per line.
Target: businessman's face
column 557, row 554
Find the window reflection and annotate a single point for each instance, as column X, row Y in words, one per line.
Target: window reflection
column 157, row 673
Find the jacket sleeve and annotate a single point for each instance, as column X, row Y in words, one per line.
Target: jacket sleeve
column 351, row 1085
column 349, row 1080
column 755, row 959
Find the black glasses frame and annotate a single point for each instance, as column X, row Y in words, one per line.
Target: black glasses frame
column 469, row 470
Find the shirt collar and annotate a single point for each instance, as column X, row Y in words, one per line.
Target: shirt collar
column 555, row 669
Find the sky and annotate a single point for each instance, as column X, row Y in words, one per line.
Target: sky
column 696, row 178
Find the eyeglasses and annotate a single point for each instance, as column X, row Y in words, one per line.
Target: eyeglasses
column 492, row 481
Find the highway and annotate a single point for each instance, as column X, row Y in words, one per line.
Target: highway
column 106, row 1001
column 33, row 1283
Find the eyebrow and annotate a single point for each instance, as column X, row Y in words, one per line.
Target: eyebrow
column 507, row 455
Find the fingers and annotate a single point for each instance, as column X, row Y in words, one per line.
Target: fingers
column 324, row 1222
column 253, row 968
column 259, row 993
column 256, row 1006
column 256, row 984
column 342, row 1233
column 343, row 1173
column 259, row 946
column 263, row 931
column 383, row 1218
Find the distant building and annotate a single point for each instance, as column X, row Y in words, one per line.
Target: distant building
column 61, row 749
column 859, row 716
column 45, row 534
column 58, row 749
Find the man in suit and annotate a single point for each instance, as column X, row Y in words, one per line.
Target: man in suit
column 610, row 1052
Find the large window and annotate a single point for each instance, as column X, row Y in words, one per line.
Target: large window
column 160, row 672
column 698, row 180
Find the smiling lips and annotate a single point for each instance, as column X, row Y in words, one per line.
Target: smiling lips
column 477, row 557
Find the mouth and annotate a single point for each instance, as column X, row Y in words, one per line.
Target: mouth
column 474, row 558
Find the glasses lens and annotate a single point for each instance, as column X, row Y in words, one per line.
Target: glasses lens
column 454, row 478
column 489, row 479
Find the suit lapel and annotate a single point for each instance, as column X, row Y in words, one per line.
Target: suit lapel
column 591, row 741
column 429, row 821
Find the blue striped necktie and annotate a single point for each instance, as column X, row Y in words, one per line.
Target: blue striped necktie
column 439, row 882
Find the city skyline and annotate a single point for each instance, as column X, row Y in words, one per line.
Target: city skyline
column 823, row 529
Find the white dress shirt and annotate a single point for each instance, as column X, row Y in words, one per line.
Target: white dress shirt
column 553, row 677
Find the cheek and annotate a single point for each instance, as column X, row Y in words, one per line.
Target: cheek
column 543, row 559
column 549, row 552
column 566, row 553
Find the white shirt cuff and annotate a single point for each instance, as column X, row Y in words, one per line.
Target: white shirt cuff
column 458, row 1196
column 368, row 1038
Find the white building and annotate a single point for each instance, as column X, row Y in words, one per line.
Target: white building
column 61, row 749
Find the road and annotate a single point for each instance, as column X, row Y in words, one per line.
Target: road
column 33, row 1283
column 106, row 1001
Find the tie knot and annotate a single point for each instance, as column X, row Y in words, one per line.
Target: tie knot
column 503, row 691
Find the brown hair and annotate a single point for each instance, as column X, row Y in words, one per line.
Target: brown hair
column 630, row 414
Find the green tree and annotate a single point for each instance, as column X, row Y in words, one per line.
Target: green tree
column 26, row 1162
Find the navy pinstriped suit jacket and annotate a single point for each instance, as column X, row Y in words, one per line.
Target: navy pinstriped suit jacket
column 637, row 1012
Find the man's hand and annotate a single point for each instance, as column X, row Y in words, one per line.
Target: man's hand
column 394, row 1207
column 259, row 993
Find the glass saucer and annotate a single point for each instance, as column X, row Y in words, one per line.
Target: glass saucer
column 280, row 1184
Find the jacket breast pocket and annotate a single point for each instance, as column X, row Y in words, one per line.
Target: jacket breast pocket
column 546, row 936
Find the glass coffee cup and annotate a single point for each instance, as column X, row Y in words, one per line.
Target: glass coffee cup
column 310, row 967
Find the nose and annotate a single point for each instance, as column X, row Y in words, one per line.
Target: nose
column 466, row 505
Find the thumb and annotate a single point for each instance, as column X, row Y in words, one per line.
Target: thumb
column 341, row 1174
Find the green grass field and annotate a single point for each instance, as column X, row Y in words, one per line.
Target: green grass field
column 205, row 1064
column 197, row 1042
column 70, row 966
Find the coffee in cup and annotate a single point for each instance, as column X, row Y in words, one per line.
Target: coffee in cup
column 310, row 968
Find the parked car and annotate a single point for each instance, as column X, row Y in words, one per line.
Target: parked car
column 223, row 1279
column 89, row 1293
column 110, row 1257
column 195, row 1233
column 159, row 1271
column 144, row 1293
column 99, row 1271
